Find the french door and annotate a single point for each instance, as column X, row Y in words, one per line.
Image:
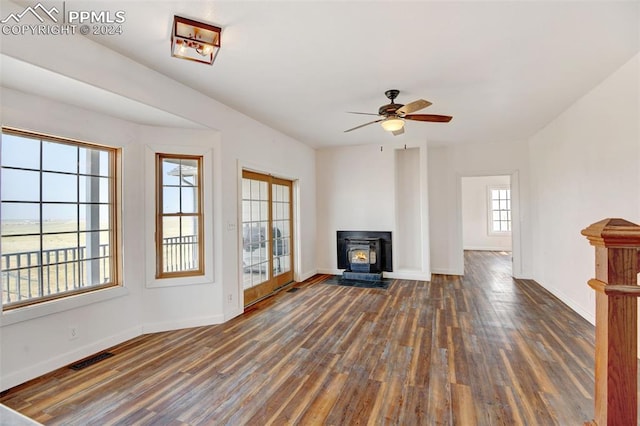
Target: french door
column 267, row 243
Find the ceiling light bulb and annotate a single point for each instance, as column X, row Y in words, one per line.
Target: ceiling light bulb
column 204, row 49
column 392, row 124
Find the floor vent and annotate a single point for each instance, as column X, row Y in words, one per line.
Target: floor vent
column 293, row 290
column 90, row 361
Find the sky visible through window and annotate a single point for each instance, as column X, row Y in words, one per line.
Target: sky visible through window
column 22, row 182
column 57, row 215
column 180, row 179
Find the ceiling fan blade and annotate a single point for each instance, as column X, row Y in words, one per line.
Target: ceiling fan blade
column 429, row 117
column 361, row 113
column 398, row 132
column 413, row 106
column 365, row 124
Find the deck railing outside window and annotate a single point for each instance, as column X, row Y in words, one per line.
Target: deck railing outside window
column 180, row 253
column 25, row 275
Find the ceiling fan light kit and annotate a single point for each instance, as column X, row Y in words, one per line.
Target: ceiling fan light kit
column 392, row 124
column 394, row 115
column 195, row 41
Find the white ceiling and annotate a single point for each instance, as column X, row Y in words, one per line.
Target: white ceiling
column 503, row 70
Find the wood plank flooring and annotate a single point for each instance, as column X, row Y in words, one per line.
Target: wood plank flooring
column 483, row 349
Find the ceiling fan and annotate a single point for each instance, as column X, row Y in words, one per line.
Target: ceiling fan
column 393, row 114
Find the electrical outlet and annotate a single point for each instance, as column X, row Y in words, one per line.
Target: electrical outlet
column 230, row 298
column 73, row 332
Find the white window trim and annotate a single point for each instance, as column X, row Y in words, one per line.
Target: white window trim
column 150, row 185
column 490, row 230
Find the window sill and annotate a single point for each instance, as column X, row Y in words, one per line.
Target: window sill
column 43, row 309
column 499, row 234
column 181, row 281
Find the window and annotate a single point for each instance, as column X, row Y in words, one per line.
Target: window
column 179, row 225
column 59, row 216
column 499, row 210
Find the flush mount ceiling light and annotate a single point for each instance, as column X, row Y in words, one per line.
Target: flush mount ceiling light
column 194, row 40
column 392, row 124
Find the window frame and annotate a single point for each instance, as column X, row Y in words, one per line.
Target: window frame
column 115, row 241
column 490, row 210
column 160, row 215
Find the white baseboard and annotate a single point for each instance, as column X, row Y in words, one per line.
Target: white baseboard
column 331, row 271
column 400, row 275
column 306, row 275
column 18, row 377
column 158, row 327
column 233, row 314
column 446, row 272
column 570, row 303
column 522, row 276
column 408, row 275
column 488, row 248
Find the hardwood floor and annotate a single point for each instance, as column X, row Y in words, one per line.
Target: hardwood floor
column 480, row 349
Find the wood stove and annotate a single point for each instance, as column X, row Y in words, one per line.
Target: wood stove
column 363, row 254
column 381, row 259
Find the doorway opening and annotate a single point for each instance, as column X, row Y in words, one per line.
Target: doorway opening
column 267, row 234
column 487, row 220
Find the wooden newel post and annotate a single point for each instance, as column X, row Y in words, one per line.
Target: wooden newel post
column 616, row 285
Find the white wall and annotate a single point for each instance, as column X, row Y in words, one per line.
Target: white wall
column 585, row 167
column 33, row 343
column 475, row 214
column 447, row 167
column 35, row 340
column 357, row 192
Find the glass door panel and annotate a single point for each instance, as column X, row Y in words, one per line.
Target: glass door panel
column 255, row 239
column 266, row 234
column 281, row 219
